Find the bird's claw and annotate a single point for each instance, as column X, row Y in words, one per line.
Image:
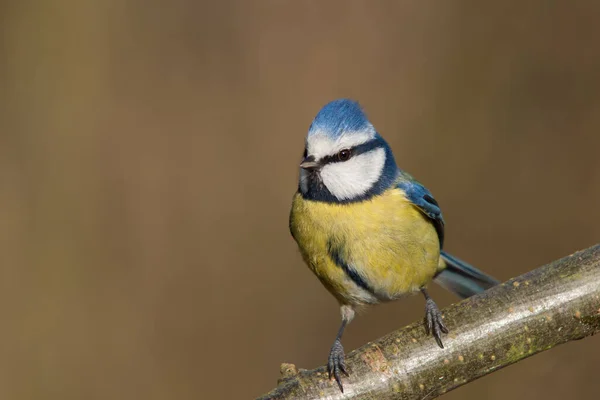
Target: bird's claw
column 434, row 322
column 336, row 363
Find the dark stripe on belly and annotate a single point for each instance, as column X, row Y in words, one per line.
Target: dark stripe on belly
column 335, row 255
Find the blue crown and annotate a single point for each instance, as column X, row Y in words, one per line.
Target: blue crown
column 340, row 116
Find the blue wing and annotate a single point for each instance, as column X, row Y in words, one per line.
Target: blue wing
column 458, row 276
column 424, row 201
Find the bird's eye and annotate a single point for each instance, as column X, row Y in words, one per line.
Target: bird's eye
column 344, row 155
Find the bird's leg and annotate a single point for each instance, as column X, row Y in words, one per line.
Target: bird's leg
column 336, row 362
column 434, row 324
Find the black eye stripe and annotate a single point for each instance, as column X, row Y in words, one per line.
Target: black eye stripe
column 354, row 151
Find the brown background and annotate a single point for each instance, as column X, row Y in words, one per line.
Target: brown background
column 149, row 152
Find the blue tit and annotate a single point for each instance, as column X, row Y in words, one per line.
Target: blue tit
column 368, row 230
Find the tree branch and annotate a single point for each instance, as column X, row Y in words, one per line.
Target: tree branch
column 517, row 319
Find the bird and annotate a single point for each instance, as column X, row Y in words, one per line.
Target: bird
column 368, row 230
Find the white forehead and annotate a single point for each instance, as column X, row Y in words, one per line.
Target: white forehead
column 320, row 144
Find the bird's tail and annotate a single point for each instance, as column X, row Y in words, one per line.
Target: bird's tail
column 461, row 278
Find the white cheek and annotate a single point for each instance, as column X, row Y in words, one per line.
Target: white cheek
column 353, row 178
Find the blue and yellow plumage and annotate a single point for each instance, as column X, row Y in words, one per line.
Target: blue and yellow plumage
column 367, row 229
column 386, row 241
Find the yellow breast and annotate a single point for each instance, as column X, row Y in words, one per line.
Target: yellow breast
column 386, row 241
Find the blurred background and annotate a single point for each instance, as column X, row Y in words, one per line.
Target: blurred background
column 149, row 153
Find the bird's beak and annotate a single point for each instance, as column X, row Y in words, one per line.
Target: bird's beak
column 309, row 163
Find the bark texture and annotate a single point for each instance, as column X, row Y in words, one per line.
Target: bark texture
column 524, row 316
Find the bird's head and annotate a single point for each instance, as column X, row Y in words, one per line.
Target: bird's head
column 345, row 159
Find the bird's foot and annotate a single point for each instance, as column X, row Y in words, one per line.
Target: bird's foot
column 336, row 363
column 434, row 322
